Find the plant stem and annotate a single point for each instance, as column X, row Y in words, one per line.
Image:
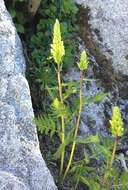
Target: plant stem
column 113, row 153
column 77, row 126
column 112, row 159
column 77, row 182
column 62, row 119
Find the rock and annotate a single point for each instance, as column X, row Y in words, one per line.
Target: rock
column 21, row 164
column 108, row 29
column 103, row 29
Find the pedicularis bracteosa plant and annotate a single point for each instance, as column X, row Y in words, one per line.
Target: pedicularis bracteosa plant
column 117, row 130
column 63, row 120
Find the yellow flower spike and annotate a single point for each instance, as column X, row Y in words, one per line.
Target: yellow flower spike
column 117, row 126
column 56, row 103
column 83, row 65
column 57, row 47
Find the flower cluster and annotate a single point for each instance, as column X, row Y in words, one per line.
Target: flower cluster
column 57, row 48
column 83, row 65
column 117, row 126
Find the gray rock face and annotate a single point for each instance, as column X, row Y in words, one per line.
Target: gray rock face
column 21, row 164
column 103, row 29
column 109, row 29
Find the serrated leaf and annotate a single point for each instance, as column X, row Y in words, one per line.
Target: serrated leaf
column 69, row 91
column 20, row 28
column 90, row 139
column 84, row 180
column 124, row 180
column 104, row 150
column 95, row 99
column 46, row 125
column 67, row 141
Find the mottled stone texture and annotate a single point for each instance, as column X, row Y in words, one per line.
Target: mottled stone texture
column 103, row 27
column 21, row 164
column 108, row 22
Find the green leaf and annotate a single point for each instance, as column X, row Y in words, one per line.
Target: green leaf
column 46, row 125
column 21, row 18
column 90, row 139
column 20, row 28
column 69, row 91
column 60, row 109
column 89, row 80
column 104, row 150
column 95, row 99
column 67, row 141
column 84, row 180
column 89, row 100
column 52, row 92
column 13, row 13
column 69, row 7
column 93, row 185
column 59, row 151
column 70, row 84
column 124, row 180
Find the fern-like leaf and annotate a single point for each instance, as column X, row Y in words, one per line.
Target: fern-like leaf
column 46, row 124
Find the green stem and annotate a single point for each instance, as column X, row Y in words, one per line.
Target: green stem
column 77, row 127
column 112, row 160
column 62, row 119
column 113, row 153
column 77, row 182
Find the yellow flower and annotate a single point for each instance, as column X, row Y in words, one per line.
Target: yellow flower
column 56, row 104
column 57, row 47
column 83, row 65
column 117, row 126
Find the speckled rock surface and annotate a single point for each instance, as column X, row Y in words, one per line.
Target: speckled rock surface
column 103, row 30
column 21, row 164
column 108, row 24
